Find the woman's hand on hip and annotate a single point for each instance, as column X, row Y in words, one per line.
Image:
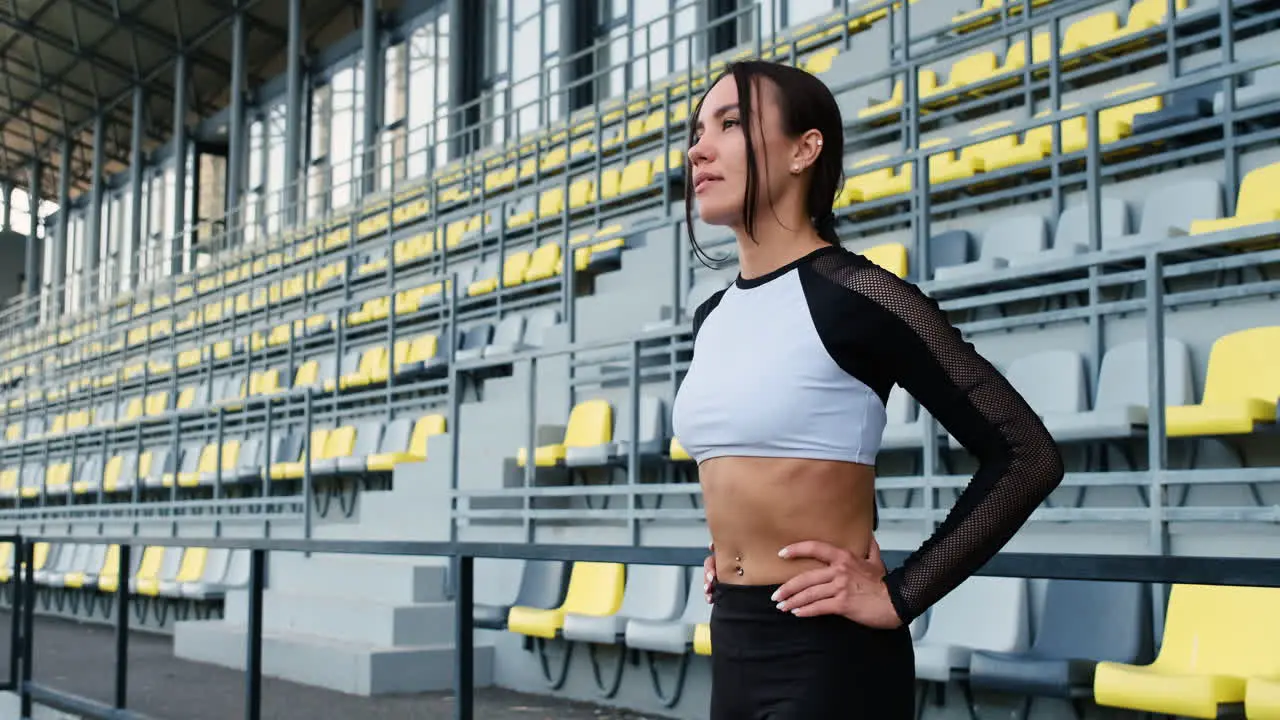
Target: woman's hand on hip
column 849, row 586
column 709, row 572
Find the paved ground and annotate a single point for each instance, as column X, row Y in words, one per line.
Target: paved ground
column 79, row 658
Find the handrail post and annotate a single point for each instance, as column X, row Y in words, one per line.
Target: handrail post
column 464, row 657
column 122, row 626
column 15, row 619
column 253, row 637
column 25, row 585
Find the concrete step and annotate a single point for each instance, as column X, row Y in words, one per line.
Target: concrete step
column 348, row 619
column 395, row 581
column 354, row 668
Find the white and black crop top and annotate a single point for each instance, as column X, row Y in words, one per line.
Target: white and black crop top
column 798, row 363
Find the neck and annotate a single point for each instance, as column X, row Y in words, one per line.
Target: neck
column 775, row 244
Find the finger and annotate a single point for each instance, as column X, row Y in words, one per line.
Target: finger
column 816, row 549
column 828, row 606
column 806, row 579
column 810, row 595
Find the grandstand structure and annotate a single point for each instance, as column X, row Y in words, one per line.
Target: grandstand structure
column 431, row 282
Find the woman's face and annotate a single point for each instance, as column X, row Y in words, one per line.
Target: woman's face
column 718, row 157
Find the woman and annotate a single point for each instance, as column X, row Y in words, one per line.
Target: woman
column 783, row 408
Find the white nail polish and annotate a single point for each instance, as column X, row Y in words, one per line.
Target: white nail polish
column 782, row 552
column 774, row 596
column 782, row 606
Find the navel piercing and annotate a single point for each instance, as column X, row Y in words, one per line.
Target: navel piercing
column 738, row 569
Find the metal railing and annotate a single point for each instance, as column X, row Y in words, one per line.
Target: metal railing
column 1237, row 571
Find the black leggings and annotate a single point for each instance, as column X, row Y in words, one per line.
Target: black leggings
column 767, row 664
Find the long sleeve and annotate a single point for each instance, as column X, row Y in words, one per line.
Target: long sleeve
column 1019, row 464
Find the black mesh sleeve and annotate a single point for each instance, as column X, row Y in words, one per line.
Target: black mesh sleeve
column 1019, row 462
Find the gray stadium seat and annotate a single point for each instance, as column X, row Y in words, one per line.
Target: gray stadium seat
column 1122, row 400
column 651, row 437
column 698, row 293
column 1007, row 241
column 89, row 476
column 1081, row 623
column 1072, row 234
column 904, row 429
column 368, row 436
column 982, row 613
column 653, row 592
column 473, row 341
column 1052, row 381
column 1180, row 106
column 1264, row 86
column 671, row 636
column 236, row 576
column 60, row 560
column 507, row 336
column 1169, row 209
column 395, row 438
column 215, row 568
column 542, row 585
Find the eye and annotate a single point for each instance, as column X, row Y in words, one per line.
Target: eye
column 728, row 123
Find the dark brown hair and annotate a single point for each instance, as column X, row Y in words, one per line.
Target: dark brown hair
column 805, row 103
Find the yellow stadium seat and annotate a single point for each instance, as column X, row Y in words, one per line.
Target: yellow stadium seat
column 594, row 589
column 544, row 263
column 147, row 578
column 965, row 72
column 1241, row 386
column 590, row 424
column 294, row 470
column 1087, row 32
column 890, row 256
column 1147, row 14
column 1262, row 699
column 702, row 639
column 677, row 451
column 1215, row 639
column 513, row 268
column 581, row 193
column 192, row 567
column 1256, row 202
column 426, row 426
column 636, row 176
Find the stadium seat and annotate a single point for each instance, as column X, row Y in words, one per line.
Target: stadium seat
column 1256, row 202
column 192, row 569
column 1052, row 381
column 651, row 436
column 590, row 424
column 415, row 450
column 890, row 256
column 351, row 450
column 674, row 636
column 982, row 613
column 1262, row 699
column 1241, row 387
column 652, row 592
column 1072, row 235
column 702, row 638
column 1003, row 242
column 542, row 585
column 1081, row 623
column 1171, row 208
column 1120, row 403
column 1215, row 639
column 595, row 589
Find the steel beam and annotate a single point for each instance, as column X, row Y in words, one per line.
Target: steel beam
column 372, row 96
column 93, row 223
column 58, row 279
column 33, row 241
column 236, row 154
column 293, row 176
column 179, row 166
column 129, row 256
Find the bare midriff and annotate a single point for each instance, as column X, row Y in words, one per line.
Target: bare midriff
column 757, row 506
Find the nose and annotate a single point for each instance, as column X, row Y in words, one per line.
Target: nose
column 698, row 152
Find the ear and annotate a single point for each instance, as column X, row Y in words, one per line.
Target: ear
column 806, row 151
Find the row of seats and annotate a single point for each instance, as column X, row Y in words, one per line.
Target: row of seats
column 551, row 148
column 354, row 448
column 414, row 357
column 1240, row 396
column 1090, row 638
column 193, row 573
column 594, row 250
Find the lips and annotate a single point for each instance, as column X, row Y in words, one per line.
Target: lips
column 702, row 179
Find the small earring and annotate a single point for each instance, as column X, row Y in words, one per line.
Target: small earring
column 795, row 169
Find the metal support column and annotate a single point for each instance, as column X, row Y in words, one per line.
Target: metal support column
column 466, row 26
column 236, row 146
column 129, row 267
column 177, row 251
column 33, row 240
column 6, row 199
column 372, row 96
column 294, row 196
column 93, row 223
column 59, row 245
